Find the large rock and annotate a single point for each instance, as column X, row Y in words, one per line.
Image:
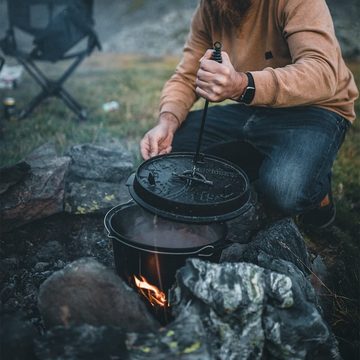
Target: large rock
column 86, row 196
column 248, row 311
column 287, row 331
column 280, row 240
column 183, row 339
column 39, row 193
column 97, row 177
column 11, row 175
column 85, row 292
column 112, row 163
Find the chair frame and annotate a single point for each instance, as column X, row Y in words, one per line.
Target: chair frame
column 49, row 88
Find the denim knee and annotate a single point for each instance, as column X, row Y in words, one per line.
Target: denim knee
column 287, row 196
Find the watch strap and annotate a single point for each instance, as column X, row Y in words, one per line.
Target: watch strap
column 249, row 92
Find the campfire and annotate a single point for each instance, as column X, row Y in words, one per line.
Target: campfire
column 85, row 307
column 154, row 295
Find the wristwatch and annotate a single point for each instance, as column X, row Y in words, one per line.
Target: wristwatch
column 249, row 92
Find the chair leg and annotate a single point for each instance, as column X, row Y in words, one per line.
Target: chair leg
column 65, row 96
column 35, row 72
column 32, row 105
column 72, row 104
column 52, row 88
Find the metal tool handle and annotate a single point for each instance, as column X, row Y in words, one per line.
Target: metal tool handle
column 216, row 56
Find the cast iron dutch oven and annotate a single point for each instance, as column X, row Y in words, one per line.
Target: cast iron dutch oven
column 180, row 211
column 154, row 247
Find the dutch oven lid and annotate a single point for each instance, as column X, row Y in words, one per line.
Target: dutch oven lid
column 166, row 185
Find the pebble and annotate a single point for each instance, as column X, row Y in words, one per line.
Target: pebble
column 59, row 264
column 41, row 266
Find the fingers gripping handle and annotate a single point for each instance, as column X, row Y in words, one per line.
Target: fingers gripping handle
column 216, row 55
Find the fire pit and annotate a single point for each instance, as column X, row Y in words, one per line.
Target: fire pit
column 217, row 313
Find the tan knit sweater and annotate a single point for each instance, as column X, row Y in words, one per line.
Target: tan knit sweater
column 290, row 48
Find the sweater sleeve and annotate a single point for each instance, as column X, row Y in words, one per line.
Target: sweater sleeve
column 312, row 77
column 178, row 94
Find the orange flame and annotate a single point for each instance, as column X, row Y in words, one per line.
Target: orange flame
column 151, row 292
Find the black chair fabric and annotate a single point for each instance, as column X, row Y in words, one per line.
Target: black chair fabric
column 56, row 27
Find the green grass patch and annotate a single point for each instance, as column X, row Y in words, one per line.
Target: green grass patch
column 136, row 84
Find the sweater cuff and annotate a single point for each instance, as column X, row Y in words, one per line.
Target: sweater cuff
column 266, row 86
column 174, row 109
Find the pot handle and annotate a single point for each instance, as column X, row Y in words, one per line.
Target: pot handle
column 209, row 250
column 206, row 251
column 109, row 215
column 130, row 180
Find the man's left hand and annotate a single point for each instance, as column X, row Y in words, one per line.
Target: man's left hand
column 219, row 81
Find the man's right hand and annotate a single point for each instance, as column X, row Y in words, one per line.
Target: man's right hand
column 158, row 140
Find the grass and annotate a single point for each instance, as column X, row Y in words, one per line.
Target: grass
column 136, row 83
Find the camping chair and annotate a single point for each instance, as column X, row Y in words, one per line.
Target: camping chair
column 55, row 26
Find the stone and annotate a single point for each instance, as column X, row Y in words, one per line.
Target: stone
column 11, row 175
column 82, row 342
column 287, row 331
column 87, row 196
column 39, row 155
column 228, row 298
column 184, row 339
column 97, row 177
column 233, row 253
column 110, row 163
column 281, row 240
column 85, row 292
column 37, row 195
column 249, row 311
column 41, row 266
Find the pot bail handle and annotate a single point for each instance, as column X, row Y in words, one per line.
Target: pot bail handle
column 206, row 251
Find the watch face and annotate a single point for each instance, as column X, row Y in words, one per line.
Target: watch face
column 248, row 94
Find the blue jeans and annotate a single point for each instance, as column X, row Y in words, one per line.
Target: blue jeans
column 288, row 151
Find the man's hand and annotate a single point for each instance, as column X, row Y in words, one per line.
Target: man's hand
column 158, row 140
column 217, row 82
